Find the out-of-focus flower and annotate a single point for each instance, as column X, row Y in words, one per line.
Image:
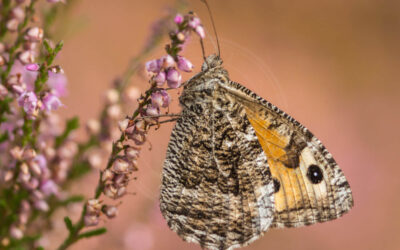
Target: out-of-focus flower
column 194, row 22
column 49, row 187
column 26, row 57
column 200, row 31
column 91, row 220
column 178, row 19
column 12, row 24
column 34, row 34
column 184, row 64
column 174, row 78
column 28, row 101
column 93, row 126
column 51, row 102
column 16, row 232
column 18, row 13
column 58, row 83
column 110, row 211
column 112, row 96
column 32, row 67
column 3, row 91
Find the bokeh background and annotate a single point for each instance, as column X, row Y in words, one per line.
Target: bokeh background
column 333, row 65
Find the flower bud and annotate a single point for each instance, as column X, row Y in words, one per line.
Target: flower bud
column 167, row 61
column 34, row 34
column 131, row 153
column 178, row 19
column 26, row 57
column 153, row 66
column 112, row 96
column 123, row 125
column 32, row 67
column 184, row 64
column 91, row 220
column 132, row 93
column 181, row 37
column 93, row 206
column 93, row 126
column 18, row 13
column 16, row 232
column 173, row 78
column 51, row 102
column 194, row 22
column 160, row 78
column 107, row 175
column 114, row 111
column 17, row 152
column 200, row 31
column 41, row 205
column 110, row 211
column 2, row 60
column 12, row 24
column 120, row 166
column 3, row 91
column 152, row 111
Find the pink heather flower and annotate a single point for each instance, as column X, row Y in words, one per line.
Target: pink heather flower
column 174, row 78
column 58, row 83
column 160, row 99
column 160, row 78
column 152, row 111
column 28, row 77
column 200, row 31
column 91, row 220
column 16, row 232
column 51, row 102
column 56, row 1
column 184, row 64
column 178, row 19
column 3, row 91
column 153, row 66
column 166, row 98
column 28, row 101
column 194, row 22
column 49, row 187
column 34, row 34
column 157, row 99
column 167, row 62
column 41, row 205
column 32, row 67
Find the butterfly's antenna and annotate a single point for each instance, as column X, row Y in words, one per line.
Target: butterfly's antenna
column 213, row 24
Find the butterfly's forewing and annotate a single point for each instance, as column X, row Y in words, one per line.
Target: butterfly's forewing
column 309, row 186
column 216, row 187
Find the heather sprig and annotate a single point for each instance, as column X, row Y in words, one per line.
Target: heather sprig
column 125, row 151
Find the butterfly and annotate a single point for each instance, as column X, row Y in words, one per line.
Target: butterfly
column 237, row 166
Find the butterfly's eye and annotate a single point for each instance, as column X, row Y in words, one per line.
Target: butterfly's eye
column 277, row 185
column 315, row 174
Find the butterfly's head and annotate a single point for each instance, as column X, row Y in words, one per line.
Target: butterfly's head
column 212, row 61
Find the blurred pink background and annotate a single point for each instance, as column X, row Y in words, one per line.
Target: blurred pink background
column 333, row 65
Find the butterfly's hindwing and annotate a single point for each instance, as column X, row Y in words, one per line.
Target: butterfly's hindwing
column 216, row 189
column 312, row 187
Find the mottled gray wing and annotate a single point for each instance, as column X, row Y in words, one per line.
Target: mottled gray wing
column 310, row 187
column 216, row 186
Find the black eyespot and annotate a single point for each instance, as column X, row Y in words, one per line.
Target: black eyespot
column 277, row 185
column 314, row 174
